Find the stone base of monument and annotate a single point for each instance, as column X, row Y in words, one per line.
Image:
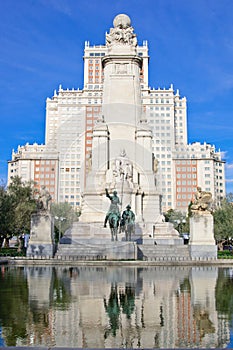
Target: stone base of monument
column 202, row 243
column 82, row 232
column 163, row 234
column 41, row 242
column 89, row 250
column 91, row 241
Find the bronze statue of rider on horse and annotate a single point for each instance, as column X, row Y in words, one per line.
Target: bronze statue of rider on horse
column 113, row 216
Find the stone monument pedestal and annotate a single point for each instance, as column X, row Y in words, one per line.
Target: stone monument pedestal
column 41, row 242
column 202, row 243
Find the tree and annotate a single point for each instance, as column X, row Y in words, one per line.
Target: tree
column 5, row 214
column 224, row 293
column 64, row 215
column 16, row 207
column 223, row 221
column 178, row 219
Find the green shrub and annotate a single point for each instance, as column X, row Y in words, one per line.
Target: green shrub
column 10, row 252
column 225, row 254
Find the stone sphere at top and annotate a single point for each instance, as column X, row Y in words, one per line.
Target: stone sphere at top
column 122, row 20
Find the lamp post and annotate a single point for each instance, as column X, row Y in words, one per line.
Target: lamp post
column 183, row 222
column 180, row 224
column 60, row 220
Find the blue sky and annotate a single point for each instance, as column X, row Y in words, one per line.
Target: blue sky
column 190, row 46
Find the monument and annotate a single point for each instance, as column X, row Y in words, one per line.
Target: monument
column 202, row 242
column 122, row 158
column 121, row 161
column 122, row 168
column 41, row 243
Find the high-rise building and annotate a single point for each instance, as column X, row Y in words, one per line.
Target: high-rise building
column 35, row 163
column 71, row 115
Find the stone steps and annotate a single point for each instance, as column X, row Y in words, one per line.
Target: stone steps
column 105, row 251
column 80, row 251
column 163, row 252
column 87, row 251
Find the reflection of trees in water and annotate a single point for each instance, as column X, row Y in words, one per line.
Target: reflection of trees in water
column 224, row 293
column 13, row 303
column 40, row 321
column 20, row 315
column 61, row 294
column 185, row 285
column 124, row 302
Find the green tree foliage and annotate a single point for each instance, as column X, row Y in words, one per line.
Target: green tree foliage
column 178, row 219
column 16, row 206
column 5, row 214
column 223, row 220
column 64, row 215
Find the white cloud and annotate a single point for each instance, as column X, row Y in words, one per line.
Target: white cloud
column 59, row 6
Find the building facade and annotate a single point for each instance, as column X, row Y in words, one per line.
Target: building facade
column 71, row 116
column 35, row 163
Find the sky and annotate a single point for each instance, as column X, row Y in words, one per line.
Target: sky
column 190, row 46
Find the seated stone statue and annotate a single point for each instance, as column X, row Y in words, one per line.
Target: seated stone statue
column 44, row 200
column 114, row 208
column 202, row 201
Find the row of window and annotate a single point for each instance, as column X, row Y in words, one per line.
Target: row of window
column 186, row 169
column 160, row 108
column 162, row 115
column 186, row 189
column 68, row 190
column 182, row 204
column 184, row 196
column 184, row 182
column 70, row 183
column 97, row 80
column 186, row 176
column 67, row 177
column 46, row 176
column 45, row 162
column 162, row 134
column 160, row 101
column 162, row 128
column 96, row 54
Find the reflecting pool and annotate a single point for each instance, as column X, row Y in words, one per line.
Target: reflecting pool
column 116, row 307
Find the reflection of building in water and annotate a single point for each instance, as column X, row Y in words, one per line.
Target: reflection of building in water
column 159, row 307
column 40, row 320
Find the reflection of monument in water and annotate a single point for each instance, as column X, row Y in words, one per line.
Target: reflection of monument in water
column 156, row 307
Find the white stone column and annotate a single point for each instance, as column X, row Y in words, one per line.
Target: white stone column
column 138, row 208
column 100, row 148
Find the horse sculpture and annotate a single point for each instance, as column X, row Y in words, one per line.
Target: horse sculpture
column 114, row 220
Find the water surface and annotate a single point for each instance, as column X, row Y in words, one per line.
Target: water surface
column 109, row 307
